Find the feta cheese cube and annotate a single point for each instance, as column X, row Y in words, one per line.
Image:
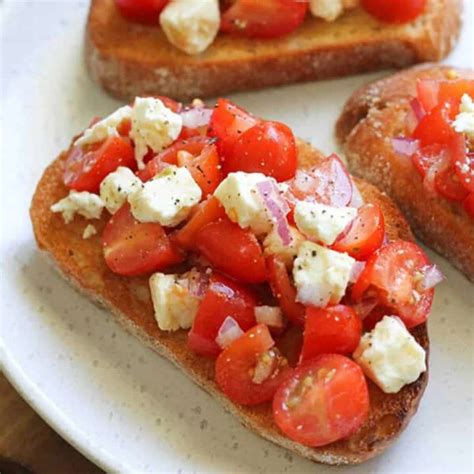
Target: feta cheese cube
column 464, row 122
column 89, row 231
column 390, row 356
column 191, row 25
column 243, row 203
column 107, row 127
column 117, row 186
column 175, row 307
column 322, row 223
column 153, row 126
column 321, row 275
column 272, row 245
column 84, row 203
column 167, row 199
column 330, row 10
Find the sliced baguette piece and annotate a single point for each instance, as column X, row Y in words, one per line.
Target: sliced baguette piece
column 129, row 59
column 81, row 262
column 373, row 115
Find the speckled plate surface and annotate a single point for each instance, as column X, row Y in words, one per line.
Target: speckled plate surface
column 123, row 406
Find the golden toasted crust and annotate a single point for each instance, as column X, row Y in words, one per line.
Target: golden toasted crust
column 371, row 117
column 81, row 262
column 129, row 59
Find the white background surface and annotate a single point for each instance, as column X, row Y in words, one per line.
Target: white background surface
column 121, row 405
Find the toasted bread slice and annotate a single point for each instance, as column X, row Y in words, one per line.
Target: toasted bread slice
column 128, row 59
column 81, row 262
column 373, row 115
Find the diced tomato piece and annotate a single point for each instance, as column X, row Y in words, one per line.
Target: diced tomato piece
column 334, row 330
column 171, row 104
column 223, row 298
column 436, row 126
column 141, row 11
column 250, row 370
column 85, row 168
column 365, row 235
column 394, row 11
column 447, row 184
column 268, row 148
column 428, row 93
column 263, row 19
column 135, row 248
column 228, row 122
column 395, row 271
column 206, row 212
column 463, row 162
column 453, row 91
column 328, row 183
column 194, row 146
column 284, row 291
column 424, row 158
column 469, row 205
column 232, row 250
column 205, row 168
column 322, row 401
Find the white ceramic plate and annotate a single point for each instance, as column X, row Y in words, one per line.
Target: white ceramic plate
column 121, row 405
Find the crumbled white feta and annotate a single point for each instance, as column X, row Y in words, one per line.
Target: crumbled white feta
column 322, row 223
column 330, row 10
column 117, row 186
column 390, row 356
column 175, row 307
column 464, row 122
column 167, row 199
column 273, row 245
column 154, row 126
column 191, row 25
column 107, row 127
column 243, row 203
column 321, row 275
column 84, row 203
column 89, row 231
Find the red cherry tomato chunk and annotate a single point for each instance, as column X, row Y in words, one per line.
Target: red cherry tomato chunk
column 436, row 126
column 223, row 298
column 394, row 11
column 135, row 248
column 228, row 122
column 232, row 250
column 365, row 235
column 268, row 148
column 141, row 11
column 469, row 205
column 284, row 291
column 322, row 401
column 206, row 212
column 463, row 162
column 250, row 370
column 335, row 330
column 395, row 271
column 263, row 19
column 85, row 169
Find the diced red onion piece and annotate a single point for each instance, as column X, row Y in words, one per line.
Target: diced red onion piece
column 417, row 109
column 356, row 270
column 198, row 283
column 357, row 200
column 228, row 332
column 405, row 146
column 364, row 307
column 277, row 207
column 196, row 117
column 432, row 276
column 272, row 316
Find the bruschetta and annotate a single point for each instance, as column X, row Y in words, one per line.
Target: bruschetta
column 411, row 134
column 197, row 48
column 290, row 291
